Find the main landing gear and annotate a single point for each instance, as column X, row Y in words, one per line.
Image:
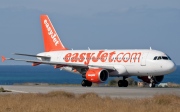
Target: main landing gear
column 86, row 83
column 123, row 83
column 152, row 83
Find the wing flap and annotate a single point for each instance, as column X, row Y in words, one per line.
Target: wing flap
column 105, row 67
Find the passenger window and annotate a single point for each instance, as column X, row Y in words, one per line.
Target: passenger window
column 155, row 57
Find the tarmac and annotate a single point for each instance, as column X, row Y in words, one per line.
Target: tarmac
column 113, row 92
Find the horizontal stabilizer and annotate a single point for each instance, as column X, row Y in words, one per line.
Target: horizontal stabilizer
column 3, row 58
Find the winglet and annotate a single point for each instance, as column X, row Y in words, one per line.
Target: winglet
column 52, row 41
column 3, row 58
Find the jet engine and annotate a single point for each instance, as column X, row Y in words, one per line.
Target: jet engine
column 157, row 79
column 97, row 75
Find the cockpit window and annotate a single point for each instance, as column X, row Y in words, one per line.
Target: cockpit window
column 162, row 58
column 159, row 58
column 165, row 58
column 155, row 57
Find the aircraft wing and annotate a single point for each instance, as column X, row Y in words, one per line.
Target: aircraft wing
column 31, row 55
column 45, row 62
column 37, row 62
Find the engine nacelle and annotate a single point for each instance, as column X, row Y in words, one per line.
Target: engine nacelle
column 157, row 79
column 97, row 75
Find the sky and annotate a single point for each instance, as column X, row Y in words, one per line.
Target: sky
column 98, row 24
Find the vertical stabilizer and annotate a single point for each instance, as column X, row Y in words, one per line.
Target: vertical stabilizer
column 52, row 41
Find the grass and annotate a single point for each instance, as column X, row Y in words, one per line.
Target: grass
column 60, row 101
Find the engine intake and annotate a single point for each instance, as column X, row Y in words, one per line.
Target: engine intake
column 97, row 75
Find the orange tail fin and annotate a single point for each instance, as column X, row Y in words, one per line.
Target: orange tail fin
column 52, row 41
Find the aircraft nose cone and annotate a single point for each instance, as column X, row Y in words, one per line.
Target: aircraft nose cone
column 171, row 66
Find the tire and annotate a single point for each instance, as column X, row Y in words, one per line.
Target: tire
column 89, row 84
column 120, row 83
column 84, row 83
column 125, row 84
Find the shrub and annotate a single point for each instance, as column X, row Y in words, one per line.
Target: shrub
column 2, row 89
column 112, row 82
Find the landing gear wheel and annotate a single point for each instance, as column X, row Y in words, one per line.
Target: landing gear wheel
column 83, row 83
column 86, row 83
column 120, row 83
column 89, row 84
column 123, row 83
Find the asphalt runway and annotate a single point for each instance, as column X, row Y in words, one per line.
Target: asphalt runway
column 113, row 92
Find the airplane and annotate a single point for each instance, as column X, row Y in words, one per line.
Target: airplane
column 96, row 66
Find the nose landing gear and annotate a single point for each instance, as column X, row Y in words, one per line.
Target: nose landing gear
column 152, row 83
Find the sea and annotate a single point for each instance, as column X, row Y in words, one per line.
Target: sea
column 19, row 74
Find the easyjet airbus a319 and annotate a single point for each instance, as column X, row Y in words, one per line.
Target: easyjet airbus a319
column 96, row 66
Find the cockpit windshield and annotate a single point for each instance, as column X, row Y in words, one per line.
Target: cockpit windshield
column 162, row 58
column 165, row 58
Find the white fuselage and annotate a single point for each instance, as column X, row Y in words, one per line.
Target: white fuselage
column 126, row 62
